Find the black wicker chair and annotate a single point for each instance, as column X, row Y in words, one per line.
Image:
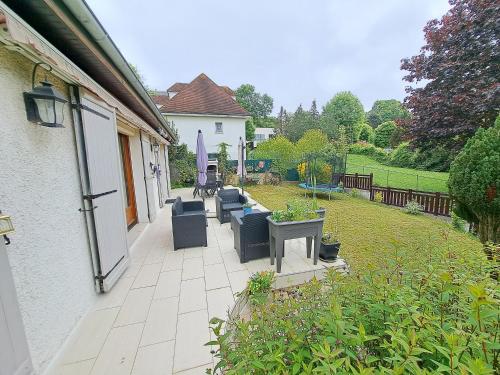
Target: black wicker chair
column 189, row 224
column 228, row 200
column 251, row 235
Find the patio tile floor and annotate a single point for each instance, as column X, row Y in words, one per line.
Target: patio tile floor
column 155, row 319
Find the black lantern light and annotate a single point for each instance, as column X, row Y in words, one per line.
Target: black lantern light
column 44, row 104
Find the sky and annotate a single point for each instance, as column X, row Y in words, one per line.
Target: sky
column 293, row 50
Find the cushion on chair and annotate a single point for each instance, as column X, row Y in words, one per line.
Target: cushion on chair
column 191, row 213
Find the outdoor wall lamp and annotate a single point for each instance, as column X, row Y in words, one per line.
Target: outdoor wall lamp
column 44, row 104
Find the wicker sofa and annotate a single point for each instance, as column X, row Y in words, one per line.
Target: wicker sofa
column 189, row 223
column 228, row 200
column 251, row 235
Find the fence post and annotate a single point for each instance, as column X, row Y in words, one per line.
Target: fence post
column 410, row 193
column 371, row 181
column 356, row 180
column 387, row 193
column 436, row 203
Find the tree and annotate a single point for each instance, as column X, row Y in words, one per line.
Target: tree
column 474, row 181
column 249, row 129
column 259, row 105
column 280, row 122
column 314, row 116
column 343, row 110
column 461, row 62
column 297, row 125
column 383, row 134
column 387, row 110
column 280, row 150
column 313, row 141
column 366, row 133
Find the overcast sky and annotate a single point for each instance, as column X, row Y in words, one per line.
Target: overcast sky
column 295, row 51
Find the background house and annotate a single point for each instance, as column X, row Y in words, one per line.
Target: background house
column 202, row 104
column 78, row 195
column 262, row 134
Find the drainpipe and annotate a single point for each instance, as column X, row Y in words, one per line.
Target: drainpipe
column 145, row 177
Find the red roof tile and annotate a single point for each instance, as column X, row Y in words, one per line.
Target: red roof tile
column 203, row 96
column 160, row 99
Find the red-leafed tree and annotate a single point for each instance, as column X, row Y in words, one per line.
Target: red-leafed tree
column 455, row 77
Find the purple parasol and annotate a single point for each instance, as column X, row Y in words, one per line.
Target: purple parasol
column 201, row 159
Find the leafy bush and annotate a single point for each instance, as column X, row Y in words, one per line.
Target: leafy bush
column 259, row 285
column 363, row 148
column 355, row 193
column 437, row 159
column 383, row 134
column 475, row 181
column 403, row 156
column 280, row 150
column 297, row 210
column 457, row 222
column 366, row 133
column 344, row 111
column 387, row 110
column 413, row 208
column 441, row 318
column 182, row 166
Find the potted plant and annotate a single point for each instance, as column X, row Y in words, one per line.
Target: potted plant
column 297, row 221
column 247, row 208
column 329, row 248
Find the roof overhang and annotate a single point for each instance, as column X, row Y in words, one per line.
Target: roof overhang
column 74, row 30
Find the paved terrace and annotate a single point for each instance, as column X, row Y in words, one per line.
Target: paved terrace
column 155, row 320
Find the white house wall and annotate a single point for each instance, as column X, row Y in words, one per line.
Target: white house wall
column 187, row 128
column 40, row 189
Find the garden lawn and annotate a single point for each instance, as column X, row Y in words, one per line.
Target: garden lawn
column 371, row 232
column 395, row 177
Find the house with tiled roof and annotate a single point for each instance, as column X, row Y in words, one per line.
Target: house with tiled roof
column 203, row 104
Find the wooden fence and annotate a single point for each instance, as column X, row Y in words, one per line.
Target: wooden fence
column 358, row 181
column 433, row 203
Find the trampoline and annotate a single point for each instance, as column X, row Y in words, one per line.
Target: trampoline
column 322, row 188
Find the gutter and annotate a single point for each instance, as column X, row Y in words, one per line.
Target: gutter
column 82, row 12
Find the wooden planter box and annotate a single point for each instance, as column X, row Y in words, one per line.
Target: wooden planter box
column 279, row 232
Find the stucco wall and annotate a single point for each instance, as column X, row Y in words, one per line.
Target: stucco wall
column 40, row 189
column 187, row 127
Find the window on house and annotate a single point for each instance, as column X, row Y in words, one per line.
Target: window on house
column 260, row 137
column 218, row 127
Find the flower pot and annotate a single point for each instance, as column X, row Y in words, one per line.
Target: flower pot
column 247, row 210
column 329, row 252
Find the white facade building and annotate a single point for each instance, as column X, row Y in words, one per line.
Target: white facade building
column 203, row 105
column 77, row 195
column 262, row 134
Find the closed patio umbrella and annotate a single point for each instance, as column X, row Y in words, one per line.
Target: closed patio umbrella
column 241, row 164
column 201, row 160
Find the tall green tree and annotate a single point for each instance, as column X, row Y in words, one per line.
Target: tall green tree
column 297, row 125
column 455, row 76
column 345, row 111
column 474, row 182
column 387, row 110
column 258, row 105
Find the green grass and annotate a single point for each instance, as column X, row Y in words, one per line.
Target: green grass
column 371, row 233
column 395, row 177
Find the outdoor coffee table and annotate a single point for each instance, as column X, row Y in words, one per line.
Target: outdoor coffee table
column 279, row 232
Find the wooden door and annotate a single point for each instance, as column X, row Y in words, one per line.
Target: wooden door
column 14, row 353
column 128, row 176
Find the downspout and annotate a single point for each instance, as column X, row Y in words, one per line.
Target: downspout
column 144, row 173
